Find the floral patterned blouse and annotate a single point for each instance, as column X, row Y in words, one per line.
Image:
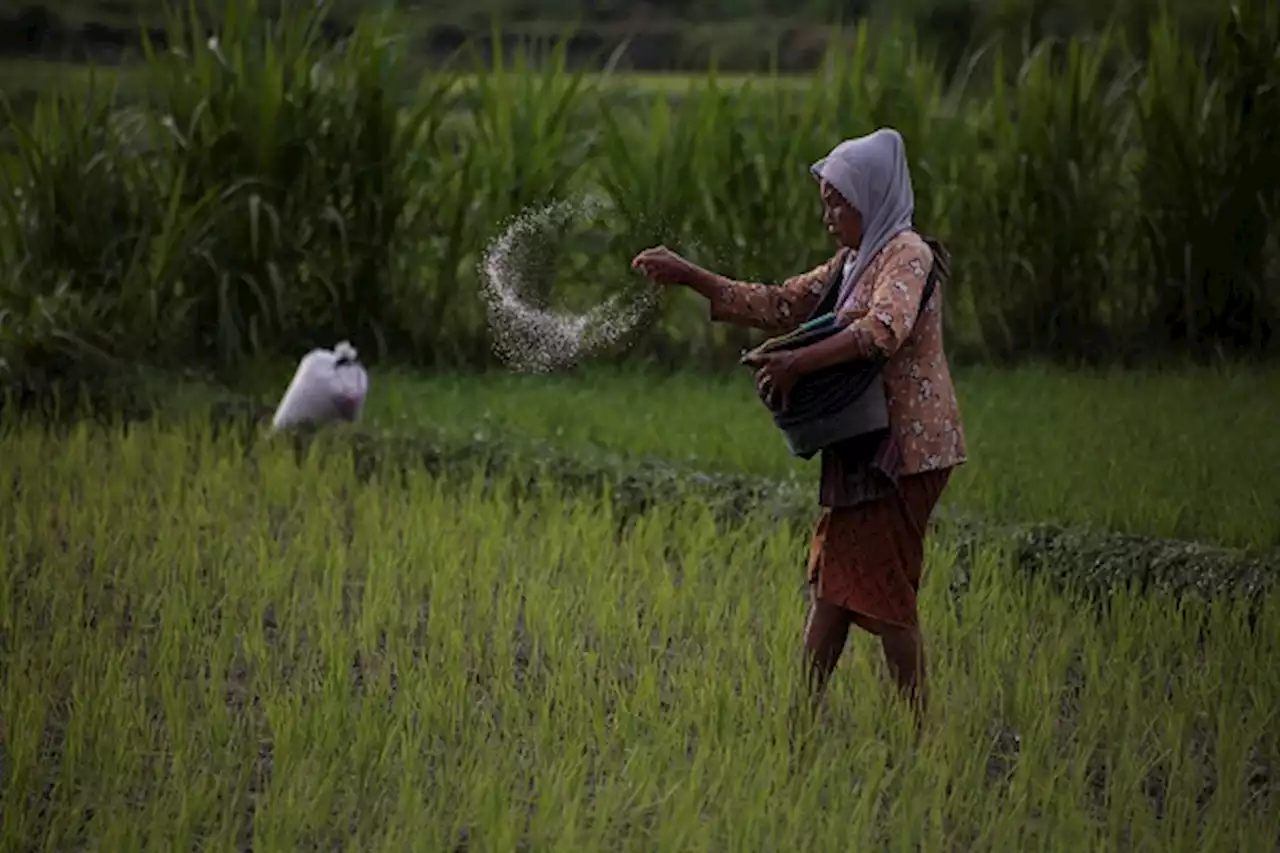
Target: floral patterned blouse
column 924, row 414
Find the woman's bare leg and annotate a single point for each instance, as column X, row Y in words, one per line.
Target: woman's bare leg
column 904, row 653
column 825, row 635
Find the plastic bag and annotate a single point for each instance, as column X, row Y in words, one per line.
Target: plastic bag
column 329, row 385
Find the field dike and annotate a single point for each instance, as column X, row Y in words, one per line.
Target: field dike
column 1095, row 563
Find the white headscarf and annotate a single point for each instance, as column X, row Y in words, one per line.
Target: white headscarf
column 872, row 175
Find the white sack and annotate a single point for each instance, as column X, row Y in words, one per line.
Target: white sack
column 329, row 385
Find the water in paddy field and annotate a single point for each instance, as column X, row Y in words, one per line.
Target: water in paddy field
column 518, row 271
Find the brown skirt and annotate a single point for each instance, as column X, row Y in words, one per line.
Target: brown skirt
column 868, row 559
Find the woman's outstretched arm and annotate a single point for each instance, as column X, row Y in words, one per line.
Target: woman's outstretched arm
column 772, row 308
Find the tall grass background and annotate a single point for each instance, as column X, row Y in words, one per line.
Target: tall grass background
column 266, row 189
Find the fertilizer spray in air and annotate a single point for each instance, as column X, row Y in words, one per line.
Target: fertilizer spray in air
column 534, row 339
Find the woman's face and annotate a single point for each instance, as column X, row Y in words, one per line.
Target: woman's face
column 842, row 221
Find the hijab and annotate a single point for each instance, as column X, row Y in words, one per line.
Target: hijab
column 871, row 174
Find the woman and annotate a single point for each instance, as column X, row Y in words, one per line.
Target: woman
column 867, row 551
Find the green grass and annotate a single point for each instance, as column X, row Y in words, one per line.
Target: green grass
column 205, row 648
column 30, row 78
column 1190, row 454
column 128, row 14
column 38, row 75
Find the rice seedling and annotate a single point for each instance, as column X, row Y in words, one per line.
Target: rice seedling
column 211, row 646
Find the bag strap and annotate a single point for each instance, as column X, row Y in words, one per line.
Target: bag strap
column 830, row 293
column 940, row 268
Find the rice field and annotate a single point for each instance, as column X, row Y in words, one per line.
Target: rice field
column 211, row 647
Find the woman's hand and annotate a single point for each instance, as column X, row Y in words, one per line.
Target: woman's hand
column 663, row 266
column 776, row 374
